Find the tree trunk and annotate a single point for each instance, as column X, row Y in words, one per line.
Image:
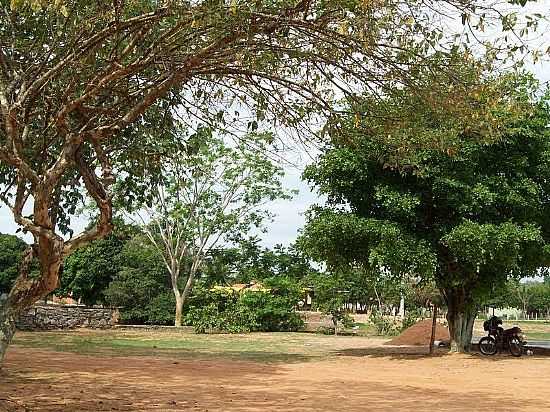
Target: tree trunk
column 461, row 314
column 26, row 290
column 434, row 325
column 179, row 310
column 7, row 329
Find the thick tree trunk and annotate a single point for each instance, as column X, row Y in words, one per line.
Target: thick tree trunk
column 7, row 329
column 26, row 290
column 461, row 315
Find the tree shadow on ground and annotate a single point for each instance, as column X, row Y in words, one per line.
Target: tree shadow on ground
column 394, row 352
column 422, row 352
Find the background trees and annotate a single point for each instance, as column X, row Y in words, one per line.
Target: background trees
column 11, row 252
column 141, row 287
column 88, row 271
column 471, row 216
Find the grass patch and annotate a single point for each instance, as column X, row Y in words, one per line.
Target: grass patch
column 259, row 347
column 538, row 336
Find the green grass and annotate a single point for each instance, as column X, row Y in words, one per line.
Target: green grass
column 260, row 347
column 538, row 336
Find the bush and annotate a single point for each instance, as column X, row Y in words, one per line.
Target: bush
column 161, row 309
column 224, row 310
column 411, row 317
column 383, row 324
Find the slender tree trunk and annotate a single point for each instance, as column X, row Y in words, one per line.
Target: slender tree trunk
column 179, row 309
column 181, row 298
column 434, row 325
column 461, row 315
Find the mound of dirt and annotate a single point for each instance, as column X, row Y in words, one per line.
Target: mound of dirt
column 419, row 334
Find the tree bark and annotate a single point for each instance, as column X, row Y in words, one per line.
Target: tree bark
column 461, row 314
column 434, row 325
column 179, row 310
column 7, row 329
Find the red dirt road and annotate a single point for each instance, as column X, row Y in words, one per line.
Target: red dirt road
column 370, row 379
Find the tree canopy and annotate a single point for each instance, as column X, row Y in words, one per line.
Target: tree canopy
column 470, row 216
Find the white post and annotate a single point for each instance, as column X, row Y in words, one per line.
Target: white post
column 402, row 307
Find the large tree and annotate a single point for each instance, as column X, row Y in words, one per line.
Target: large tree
column 470, row 215
column 216, row 192
column 90, row 86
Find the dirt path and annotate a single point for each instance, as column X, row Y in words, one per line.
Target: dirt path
column 370, row 379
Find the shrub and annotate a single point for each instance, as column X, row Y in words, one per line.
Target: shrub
column 224, row 310
column 383, row 324
column 411, row 317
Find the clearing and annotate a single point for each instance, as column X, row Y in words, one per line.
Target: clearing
column 169, row 370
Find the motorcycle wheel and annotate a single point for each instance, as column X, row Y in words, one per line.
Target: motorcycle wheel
column 488, row 345
column 516, row 347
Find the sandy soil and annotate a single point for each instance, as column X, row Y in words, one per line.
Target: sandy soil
column 420, row 334
column 375, row 378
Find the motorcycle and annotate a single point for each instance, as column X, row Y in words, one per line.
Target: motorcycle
column 498, row 338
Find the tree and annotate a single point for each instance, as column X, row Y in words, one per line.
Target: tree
column 249, row 261
column 92, row 86
column 88, row 271
column 141, row 287
column 215, row 193
column 331, row 298
column 469, row 216
column 11, row 251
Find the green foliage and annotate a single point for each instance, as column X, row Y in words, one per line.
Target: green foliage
column 249, row 261
column 225, row 310
column 11, row 249
column 466, row 217
column 385, row 325
column 529, row 297
column 330, row 298
column 141, row 288
column 88, row 271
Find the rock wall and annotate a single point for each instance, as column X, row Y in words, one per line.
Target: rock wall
column 45, row 317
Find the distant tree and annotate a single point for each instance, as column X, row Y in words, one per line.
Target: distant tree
column 540, row 301
column 89, row 270
column 331, row 297
column 214, row 193
column 11, row 252
column 248, row 261
column 141, row 286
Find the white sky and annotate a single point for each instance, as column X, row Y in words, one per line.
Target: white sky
column 290, row 214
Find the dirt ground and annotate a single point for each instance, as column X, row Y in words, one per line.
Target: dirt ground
column 373, row 378
column 420, row 334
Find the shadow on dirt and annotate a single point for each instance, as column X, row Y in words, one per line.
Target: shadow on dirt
column 422, row 352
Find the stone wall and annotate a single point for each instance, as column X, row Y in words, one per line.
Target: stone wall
column 45, row 317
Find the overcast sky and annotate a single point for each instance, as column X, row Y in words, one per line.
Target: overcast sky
column 290, row 214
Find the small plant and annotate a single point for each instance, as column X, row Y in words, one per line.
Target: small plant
column 411, row 317
column 384, row 325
